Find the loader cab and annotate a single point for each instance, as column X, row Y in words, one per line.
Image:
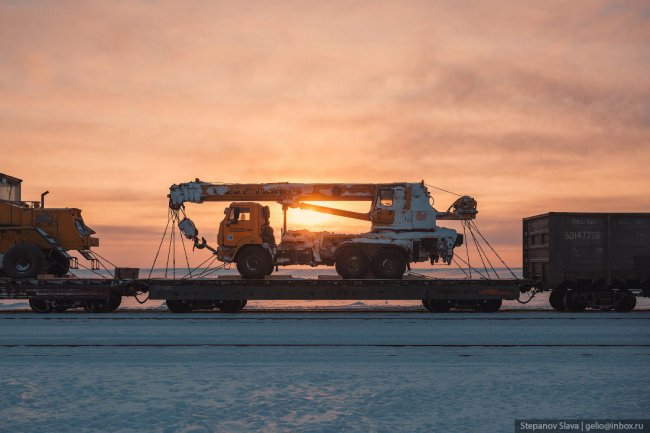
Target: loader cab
column 10, row 188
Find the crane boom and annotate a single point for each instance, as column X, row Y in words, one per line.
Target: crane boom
column 293, row 194
column 284, row 193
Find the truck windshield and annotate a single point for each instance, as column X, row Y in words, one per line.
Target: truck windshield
column 239, row 214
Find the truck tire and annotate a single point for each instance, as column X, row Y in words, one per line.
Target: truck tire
column 556, row 299
column 627, row 304
column 58, row 264
column 178, row 306
column 352, row 263
column 253, row 262
column 24, row 260
column 389, row 263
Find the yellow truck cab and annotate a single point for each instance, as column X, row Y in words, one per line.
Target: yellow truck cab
column 246, row 237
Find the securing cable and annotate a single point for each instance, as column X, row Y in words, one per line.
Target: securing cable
column 444, row 190
column 169, row 217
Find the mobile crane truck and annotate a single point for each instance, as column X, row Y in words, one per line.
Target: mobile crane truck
column 403, row 227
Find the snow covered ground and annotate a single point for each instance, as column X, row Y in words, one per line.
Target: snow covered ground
column 318, row 372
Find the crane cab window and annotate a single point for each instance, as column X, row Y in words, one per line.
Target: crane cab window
column 386, row 197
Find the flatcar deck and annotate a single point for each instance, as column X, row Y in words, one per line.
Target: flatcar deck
column 268, row 289
column 65, row 288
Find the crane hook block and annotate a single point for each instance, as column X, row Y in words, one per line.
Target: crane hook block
column 188, row 228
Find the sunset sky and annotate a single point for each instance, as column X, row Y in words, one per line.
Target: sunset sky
column 527, row 106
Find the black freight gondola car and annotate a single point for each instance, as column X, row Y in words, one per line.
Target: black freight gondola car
column 597, row 260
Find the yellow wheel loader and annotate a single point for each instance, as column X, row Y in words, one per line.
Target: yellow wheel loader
column 35, row 240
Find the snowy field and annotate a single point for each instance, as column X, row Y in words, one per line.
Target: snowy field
column 318, row 372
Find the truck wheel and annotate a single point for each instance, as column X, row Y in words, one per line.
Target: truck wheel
column 176, row 306
column 489, row 305
column 574, row 303
column 352, row 263
column 231, row 306
column 627, row 304
column 253, row 262
column 556, row 299
column 436, row 306
column 389, row 263
column 59, row 265
column 24, row 260
column 40, row 306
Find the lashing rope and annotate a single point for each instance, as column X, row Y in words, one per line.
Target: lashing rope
column 174, row 218
column 444, row 190
column 493, row 250
column 169, row 217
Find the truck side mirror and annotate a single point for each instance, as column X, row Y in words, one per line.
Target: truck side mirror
column 235, row 214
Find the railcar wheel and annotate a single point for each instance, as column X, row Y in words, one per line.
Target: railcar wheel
column 627, row 304
column 352, row 263
column 113, row 302
column 389, row 263
column 231, row 306
column 253, row 262
column 94, row 306
column 574, row 302
column 24, row 260
column 40, row 306
column 178, row 306
column 489, row 305
column 556, row 299
column 436, row 306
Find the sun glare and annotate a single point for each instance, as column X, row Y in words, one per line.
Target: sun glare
column 316, row 221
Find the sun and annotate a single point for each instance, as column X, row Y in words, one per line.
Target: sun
column 315, row 221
